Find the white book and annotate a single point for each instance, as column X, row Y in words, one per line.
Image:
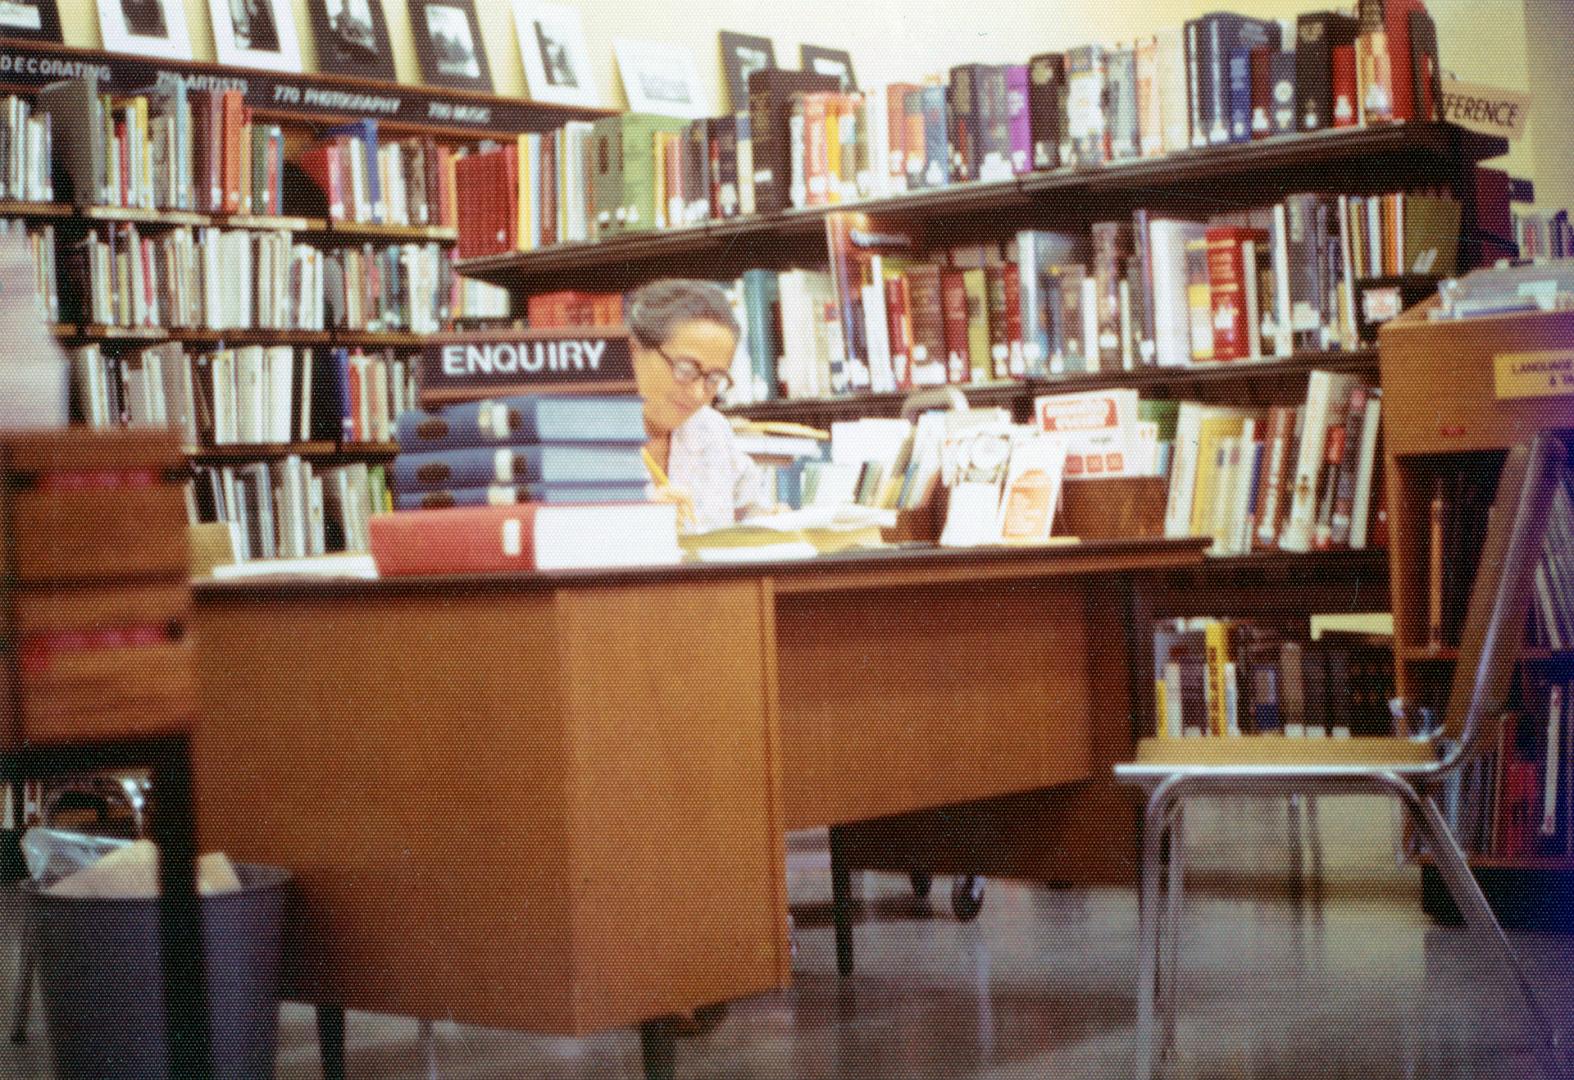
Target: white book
column 281, row 388
column 1284, row 343
column 1366, row 468
column 1549, row 794
column 1183, row 462
column 1167, row 239
column 1325, row 392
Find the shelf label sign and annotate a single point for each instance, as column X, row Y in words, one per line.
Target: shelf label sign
column 470, row 366
column 1534, row 374
column 1490, row 110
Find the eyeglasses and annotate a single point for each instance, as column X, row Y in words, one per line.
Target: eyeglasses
column 686, row 371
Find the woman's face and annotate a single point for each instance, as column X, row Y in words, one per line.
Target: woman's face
column 706, row 345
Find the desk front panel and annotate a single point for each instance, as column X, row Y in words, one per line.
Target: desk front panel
column 930, row 694
column 544, row 808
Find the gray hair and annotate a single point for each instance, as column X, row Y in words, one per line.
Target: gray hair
column 656, row 310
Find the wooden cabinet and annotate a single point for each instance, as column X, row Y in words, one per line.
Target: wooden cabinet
column 1454, row 408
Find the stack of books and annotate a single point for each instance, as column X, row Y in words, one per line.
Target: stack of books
column 528, row 482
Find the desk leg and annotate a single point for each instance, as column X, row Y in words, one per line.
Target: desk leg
column 841, row 902
column 180, row 918
column 658, row 1048
column 330, row 1040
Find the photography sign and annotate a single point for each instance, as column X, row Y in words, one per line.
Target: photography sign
column 466, row 367
column 279, row 92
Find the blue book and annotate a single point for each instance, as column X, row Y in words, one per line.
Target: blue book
column 1210, row 43
column 364, row 131
column 761, row 305
column 937, row 151
column 519, row 493
column 1038, row 293
column 526, row 418
column 546, row 463
column 1241, row 96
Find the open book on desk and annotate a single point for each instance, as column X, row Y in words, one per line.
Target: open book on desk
column 792, row 534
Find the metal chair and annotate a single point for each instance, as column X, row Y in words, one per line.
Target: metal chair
column 1412, row 770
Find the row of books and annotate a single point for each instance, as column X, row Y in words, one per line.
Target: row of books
column 290, row 508
column 245, row 395
column 803, row 141
column 1543, row 233
column 230, row 279
column 364, row 177
column 41, row 242
column 548, row 449
column 26, row 152
column 1155, row 290
column 1517, row 800
column 1218, row 677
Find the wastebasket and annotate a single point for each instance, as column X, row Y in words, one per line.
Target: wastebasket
column 101, row 980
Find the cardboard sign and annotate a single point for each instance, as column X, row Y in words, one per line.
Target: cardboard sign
column 1534, row 374
column 1490, row 110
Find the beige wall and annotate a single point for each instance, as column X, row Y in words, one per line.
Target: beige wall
column 1481, row 40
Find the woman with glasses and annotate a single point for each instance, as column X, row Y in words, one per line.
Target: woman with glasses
column 684, row 336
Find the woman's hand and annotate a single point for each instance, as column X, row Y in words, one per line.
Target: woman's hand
column 678, row 497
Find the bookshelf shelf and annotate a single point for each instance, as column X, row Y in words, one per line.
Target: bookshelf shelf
column 14, row 208
column 251, row 336
column 230, row 454
column 363, row 230
column 139, row 216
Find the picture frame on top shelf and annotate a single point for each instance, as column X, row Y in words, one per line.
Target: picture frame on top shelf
column 255, row 34
column 448, row 42
column 661, row 78
column 145, row 28
column 556, row 58
column 837, row 63
column 35, row 20
column 352, row 39
column 741, row 56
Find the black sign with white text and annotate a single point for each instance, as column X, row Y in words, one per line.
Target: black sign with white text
column 460, row 368
column 24, row 64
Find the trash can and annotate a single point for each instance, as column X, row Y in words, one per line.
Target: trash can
column 101, row 980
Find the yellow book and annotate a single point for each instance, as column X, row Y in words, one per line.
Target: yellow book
column 523, row 208
column 1161, row 709
column 1216, row 646
column 1210, row 435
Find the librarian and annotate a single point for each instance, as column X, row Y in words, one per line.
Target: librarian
column 684, row 336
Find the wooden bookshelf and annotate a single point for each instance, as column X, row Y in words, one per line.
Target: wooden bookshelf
column 1445, row 418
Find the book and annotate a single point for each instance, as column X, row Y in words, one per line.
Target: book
column 1325, row 391
column 771, row 103
column 1047, row 107
column 1387, row 24
column 76, row 116
column 529, row 536
column 1212, row 40
column 1229, row 277
column 530, row 418
column 550, row 463
column 1085, row 140
column 509, row 494
column 1317, row 35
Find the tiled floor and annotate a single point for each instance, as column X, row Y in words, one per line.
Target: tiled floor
column 1042, row 986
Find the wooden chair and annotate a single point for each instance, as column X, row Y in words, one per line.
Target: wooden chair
column 1412, row 770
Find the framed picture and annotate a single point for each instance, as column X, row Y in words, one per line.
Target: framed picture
column 661, row 78
column 37, row 20
column 255, row 33
column 352, row 38
column 557, row 61
column 823, row 61
column 741, row 56
column 145, row 27
column 449, row 44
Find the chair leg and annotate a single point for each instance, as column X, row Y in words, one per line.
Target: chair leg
column 1170, row 931
column 1479, row 917
column 330, row 1041
column 428, row 1040
column 841, row 904
column 1314, row 840
column 27, row 962
column 1155, row 825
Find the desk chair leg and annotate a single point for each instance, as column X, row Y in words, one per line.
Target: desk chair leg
column 1472, row 904
column 1314, row 839
column 1170, row 932
column 658, row 1049
column 27, row 961
column 330, row 1040
column 841, row 903
column 428, row 1040
column 1156, row 825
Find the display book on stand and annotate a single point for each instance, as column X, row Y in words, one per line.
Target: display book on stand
column 1472, row 372
column 539, row 469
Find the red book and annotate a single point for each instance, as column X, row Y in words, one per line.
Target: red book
column 526, row 536
column 487, row 186
column 233, row 126
column 1011, row 283
column 816, row 149
column 1392, row 17
column 953, row 321
column 323, row 163
column 1346, row 111
column 1227, row 289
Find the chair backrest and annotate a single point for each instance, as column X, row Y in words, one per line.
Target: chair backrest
column 1500, row 600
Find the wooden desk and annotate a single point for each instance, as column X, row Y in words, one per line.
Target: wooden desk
column 557, row 802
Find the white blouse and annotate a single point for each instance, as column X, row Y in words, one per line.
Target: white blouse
column 706, row 462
